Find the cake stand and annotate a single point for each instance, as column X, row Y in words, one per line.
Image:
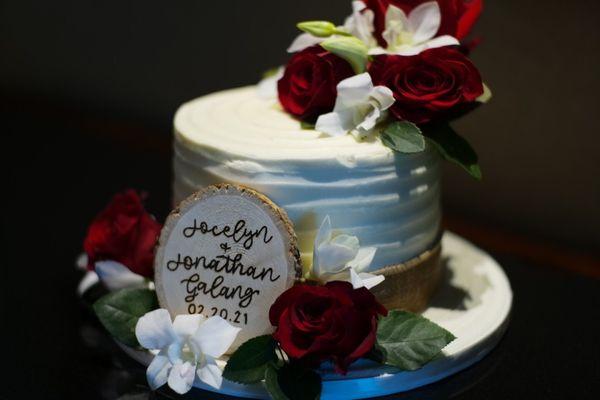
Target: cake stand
column 473, row 303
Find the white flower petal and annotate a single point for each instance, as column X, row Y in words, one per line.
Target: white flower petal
column 360, row 23
column 396, row 18
column 185, row 325
column 347, row 241
column 174, row 352
column 181, row 377
column 324, row 234
column 424, row 21
column 363, row 259
column 365, row 280
column 369, row 122
column 82, row 261
column 89, row 279
column 330, row 124
column 384, row 97
column 117, row 276
column 158, row 371
column 354, row 91
column 214, row 337
column 396, row 23
column 333, row 258
column 304, row 41
column 210, row 373
column 376, row 51
column 442, row 41
column 154, row 330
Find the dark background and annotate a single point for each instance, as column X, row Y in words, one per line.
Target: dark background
column 88, row 90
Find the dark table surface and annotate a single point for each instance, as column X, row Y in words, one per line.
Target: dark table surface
column 61, row 169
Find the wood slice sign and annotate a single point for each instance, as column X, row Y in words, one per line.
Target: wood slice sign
column 229, row 251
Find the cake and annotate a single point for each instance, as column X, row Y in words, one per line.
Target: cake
column 306, row 230
column 388, row 200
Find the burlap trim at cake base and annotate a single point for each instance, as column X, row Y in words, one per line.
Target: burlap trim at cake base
column 410, row 285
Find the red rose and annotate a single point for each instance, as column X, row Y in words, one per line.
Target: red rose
column 332, row 322
column 429, row 86
column 309, row 85
column 458, row 16
column 124, row 232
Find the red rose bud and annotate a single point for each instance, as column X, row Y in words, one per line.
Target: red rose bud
column 430, row 86
column 309, row 84
column 458, row 16
column 333, row 322
column 123, row 232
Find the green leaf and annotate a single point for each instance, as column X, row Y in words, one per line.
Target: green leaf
column 409, row 340
column 486, row 95
column 119, row 312
column 350, row 49
column 454, row 148
column 318, row 28
column 404, row 137
column 293, row 382
column 272, row 383
column 250, row 361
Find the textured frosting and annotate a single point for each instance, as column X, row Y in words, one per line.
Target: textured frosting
column 388, row 200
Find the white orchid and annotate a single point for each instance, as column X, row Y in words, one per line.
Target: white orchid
column 187, row 348
column 412, row 34
column 340, row 257
column 117, row 276
column 358, row 108
column 112, row 274
column 267, row 87
column 360, row 24
column 304, row 41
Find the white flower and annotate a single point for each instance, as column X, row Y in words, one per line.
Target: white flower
column 358, row 108
column 303, row 41
column 112, row 274
column 117, row 276
column 188, row 347
column 340, row 257
column 360, row 24
column 412, row 34
column 267, row 87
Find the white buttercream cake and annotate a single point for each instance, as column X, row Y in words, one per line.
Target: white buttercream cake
column 387, row 199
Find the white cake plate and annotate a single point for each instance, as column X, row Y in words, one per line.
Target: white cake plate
column 473, row 303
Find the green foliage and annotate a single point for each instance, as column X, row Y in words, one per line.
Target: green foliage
column 250, row 361
column 404, row 137
column 454, row 148
column 409, row 341
column 350, row 49
column 119, row 312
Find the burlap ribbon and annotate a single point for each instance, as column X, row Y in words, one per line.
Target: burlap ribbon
column 410, row 285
